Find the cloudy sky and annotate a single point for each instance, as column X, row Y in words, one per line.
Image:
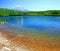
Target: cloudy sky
column 33, row 5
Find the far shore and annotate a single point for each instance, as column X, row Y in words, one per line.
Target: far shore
column 12, row 12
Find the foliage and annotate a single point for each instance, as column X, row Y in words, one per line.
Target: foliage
column 11, row 12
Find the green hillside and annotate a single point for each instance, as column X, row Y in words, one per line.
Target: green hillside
column 11, row 12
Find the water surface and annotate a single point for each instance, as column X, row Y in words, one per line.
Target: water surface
column 35, row 30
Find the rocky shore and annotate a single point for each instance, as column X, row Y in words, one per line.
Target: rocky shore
column 6, row 45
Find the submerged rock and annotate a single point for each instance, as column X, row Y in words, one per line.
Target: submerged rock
column 3, row 22
column 6, row 45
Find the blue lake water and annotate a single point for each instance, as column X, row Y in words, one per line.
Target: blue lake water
column 36, row 23
column 32, row 21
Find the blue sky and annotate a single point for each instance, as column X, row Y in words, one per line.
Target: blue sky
column 33, row 5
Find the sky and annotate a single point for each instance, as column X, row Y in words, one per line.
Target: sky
column 32, row 5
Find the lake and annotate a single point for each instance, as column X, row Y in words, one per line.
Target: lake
column 38, row 23
column 43, row 29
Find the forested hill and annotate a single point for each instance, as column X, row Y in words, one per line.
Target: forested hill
column 11, row 12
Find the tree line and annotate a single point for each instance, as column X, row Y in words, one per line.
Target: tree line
column 12, row 12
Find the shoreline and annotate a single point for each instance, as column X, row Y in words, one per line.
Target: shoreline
column 7, row 45
column 33, row 43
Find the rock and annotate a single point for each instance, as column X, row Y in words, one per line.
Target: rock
column 3, row 22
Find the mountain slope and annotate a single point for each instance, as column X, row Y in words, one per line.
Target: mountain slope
column 21, row 9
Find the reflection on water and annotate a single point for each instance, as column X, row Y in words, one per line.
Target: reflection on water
column 34, row 30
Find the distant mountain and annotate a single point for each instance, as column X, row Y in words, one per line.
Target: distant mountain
column 21, row 9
